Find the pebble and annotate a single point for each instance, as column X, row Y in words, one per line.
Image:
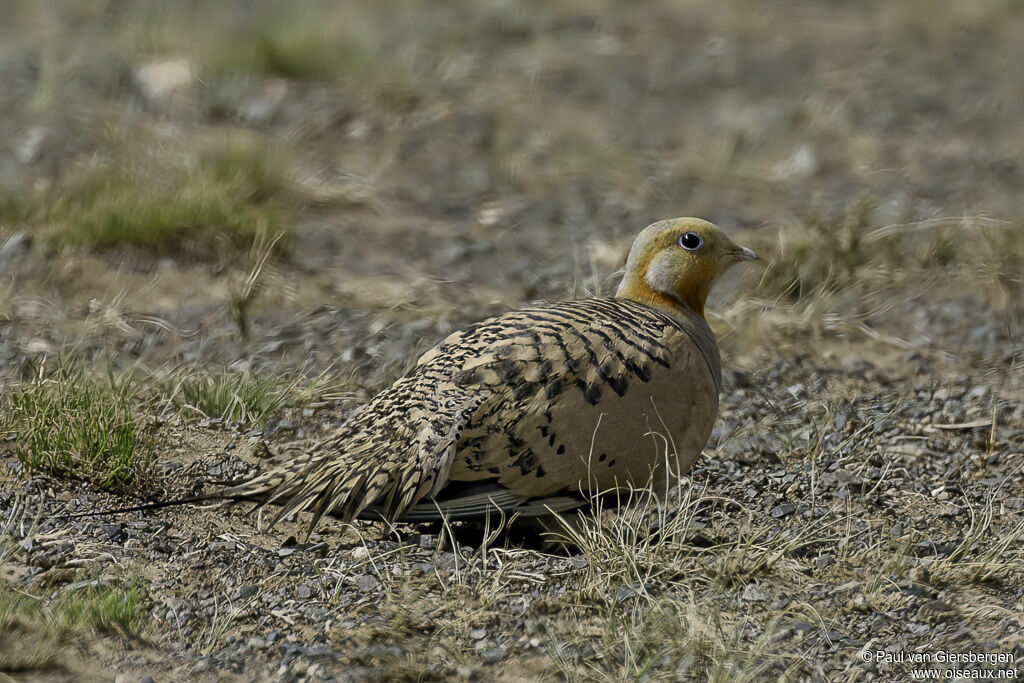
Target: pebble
column 493, row 655
column 783, row 510
column 246, row 591
column 752, row 593
column 159, row 80
column 366, row 582
column 629, row 590
column 467, row 673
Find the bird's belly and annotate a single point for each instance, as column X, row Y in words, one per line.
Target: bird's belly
column 653, row 432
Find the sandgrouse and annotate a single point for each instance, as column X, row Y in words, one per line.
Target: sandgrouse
column 534, row 410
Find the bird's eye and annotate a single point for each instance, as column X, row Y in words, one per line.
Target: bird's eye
column 691, row 241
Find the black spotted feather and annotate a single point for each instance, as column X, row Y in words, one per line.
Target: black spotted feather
column 473, row 406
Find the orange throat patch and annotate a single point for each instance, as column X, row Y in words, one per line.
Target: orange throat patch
column 641, row 291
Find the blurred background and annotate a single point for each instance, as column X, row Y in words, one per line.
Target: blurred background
column 421, row 164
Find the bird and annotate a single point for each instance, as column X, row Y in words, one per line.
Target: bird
column 533, row 412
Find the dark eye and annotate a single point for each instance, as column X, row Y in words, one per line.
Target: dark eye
column 691, row 241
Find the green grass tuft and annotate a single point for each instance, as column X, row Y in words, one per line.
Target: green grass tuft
column 236, row 189
column 157, row 223
column 300, row 50
column 105, row 609
column 81, row 425
column 233, row 396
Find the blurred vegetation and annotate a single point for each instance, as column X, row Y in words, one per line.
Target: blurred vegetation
column 33, row 628
column 819, row 259
column 293, row 45
column 236, row 189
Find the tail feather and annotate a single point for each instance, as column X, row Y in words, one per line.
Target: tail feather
column 381, row 462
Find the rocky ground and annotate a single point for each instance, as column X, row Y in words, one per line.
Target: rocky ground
column 862, row 497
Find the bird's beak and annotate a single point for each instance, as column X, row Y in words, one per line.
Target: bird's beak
column 746, row 254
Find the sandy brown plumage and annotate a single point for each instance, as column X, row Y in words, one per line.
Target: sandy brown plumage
column 533, row 410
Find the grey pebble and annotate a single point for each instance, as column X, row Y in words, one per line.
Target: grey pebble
column 366, row 582
column 246, row 591
column 783, row 510
column 492, row 655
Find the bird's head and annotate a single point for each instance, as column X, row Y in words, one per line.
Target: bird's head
column 676, row 261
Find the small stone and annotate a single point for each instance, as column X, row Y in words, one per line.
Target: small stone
column 858, row 603
column 15, row 245
column 245, row 592
column 822, row 561
column 115, row 533
column 261, row 109
column 477, row 634
column 28, row 151
column 492, row 655
column 366, row 582
column 202, row 665
column 159, row 80
column 629, row 590
column 979, row 391
column 466, row 672
column 783, row 510
column 304, row 591
column 752, row 593
column 359, row 554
